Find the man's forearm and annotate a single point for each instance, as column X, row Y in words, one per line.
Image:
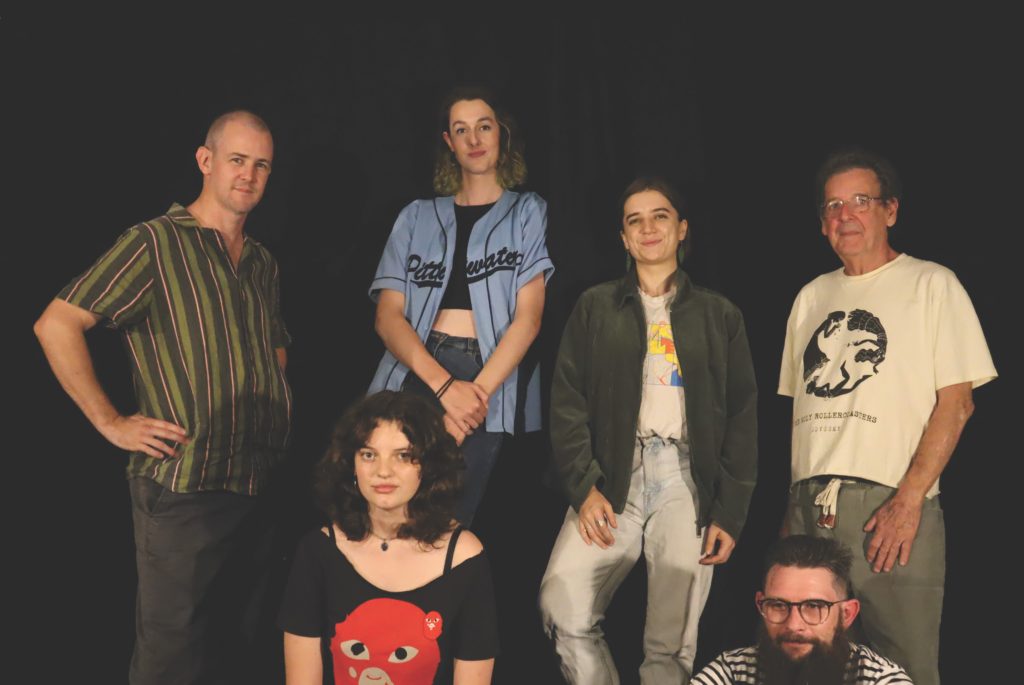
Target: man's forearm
column 953, row 407
column 61, row 333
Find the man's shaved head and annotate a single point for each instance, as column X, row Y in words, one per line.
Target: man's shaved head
column 240, row 115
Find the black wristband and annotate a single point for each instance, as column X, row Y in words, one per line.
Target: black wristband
column 444, row 386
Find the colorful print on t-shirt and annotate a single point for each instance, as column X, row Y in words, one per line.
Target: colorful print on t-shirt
column 663, row 364
column 387, row 642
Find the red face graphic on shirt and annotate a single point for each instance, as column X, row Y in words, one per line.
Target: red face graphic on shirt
column 387, row 642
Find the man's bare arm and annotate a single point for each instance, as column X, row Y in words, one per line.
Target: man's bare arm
column 61, row 332
column 894, row 525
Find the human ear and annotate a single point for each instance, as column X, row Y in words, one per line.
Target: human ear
column 203, row 155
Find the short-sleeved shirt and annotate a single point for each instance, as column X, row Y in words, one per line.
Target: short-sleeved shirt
column 863, row 359
column 201, row 336
column 506, row 251
column 411, row 636
column 739, row 667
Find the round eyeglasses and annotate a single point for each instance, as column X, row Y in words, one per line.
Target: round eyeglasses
column 858, row 204
column 812, row 611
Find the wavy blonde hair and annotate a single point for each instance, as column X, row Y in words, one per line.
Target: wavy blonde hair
column 511, row 163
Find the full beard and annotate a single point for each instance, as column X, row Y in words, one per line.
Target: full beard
column 824, row 665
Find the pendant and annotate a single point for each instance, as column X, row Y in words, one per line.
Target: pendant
column 384, row 546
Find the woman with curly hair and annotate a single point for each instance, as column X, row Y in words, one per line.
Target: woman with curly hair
column 460, row 288
column 393, row 590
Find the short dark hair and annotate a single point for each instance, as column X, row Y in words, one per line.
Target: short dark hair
column 674, row 197
column 845, row 159
column 250, row 118
column 432, row 509
column 804, row 551
column 511, row 162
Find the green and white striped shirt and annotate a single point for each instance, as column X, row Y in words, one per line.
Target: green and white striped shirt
column 201, row 336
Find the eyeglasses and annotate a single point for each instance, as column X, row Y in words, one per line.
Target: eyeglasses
column 858, row 205
column 812, row 611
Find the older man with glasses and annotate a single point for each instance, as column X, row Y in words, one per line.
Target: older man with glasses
column 881, row 358
column 807, row 608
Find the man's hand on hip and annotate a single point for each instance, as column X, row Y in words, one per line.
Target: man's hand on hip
column 138, row 433
column 894, row 528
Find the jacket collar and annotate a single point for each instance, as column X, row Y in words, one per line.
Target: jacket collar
column 628, row 288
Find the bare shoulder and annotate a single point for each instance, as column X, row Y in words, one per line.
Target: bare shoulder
column 466, row 547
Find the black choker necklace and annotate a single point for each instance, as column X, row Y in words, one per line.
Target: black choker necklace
column 383, row 541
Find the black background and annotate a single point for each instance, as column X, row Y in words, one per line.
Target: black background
column 103, row 113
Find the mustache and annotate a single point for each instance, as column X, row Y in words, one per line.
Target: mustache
column 796, row 637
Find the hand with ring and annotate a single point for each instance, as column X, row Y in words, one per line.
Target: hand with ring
column 595, row 517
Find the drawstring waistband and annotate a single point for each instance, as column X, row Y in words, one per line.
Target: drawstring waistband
column 828, row 500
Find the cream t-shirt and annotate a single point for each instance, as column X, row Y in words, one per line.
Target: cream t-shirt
column 863, row 358
column 662, row 407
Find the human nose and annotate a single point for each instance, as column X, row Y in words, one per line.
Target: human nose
column 846, row 211
column 795, row 621
column 383, row 467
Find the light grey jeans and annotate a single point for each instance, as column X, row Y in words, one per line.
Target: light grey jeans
column 660, row 520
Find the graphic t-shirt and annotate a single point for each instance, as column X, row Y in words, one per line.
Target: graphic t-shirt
column 863, row 359
column 662, row 407
column 372, row 635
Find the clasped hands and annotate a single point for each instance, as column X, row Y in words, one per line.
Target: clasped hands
column 465, row 407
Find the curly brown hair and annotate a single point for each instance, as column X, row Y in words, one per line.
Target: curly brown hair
column 511, row 163
column 431, row 510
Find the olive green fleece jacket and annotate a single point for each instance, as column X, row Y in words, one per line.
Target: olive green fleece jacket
column 597, row 387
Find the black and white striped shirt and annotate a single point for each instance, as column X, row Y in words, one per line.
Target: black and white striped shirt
column 739, row 666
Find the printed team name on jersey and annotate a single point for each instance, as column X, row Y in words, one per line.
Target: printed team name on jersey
column 502, row 260
column 425, row 274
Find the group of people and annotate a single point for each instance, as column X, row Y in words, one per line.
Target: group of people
column 653, row 427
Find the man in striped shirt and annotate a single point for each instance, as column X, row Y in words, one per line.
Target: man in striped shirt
column 807, row 609
column 198, row 304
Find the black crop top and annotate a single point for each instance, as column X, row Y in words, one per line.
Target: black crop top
column 456, row 294
column 411, row 636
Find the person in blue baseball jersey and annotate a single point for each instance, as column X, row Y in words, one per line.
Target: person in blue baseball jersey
column 460, row 288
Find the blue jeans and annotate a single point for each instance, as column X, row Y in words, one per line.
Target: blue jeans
column 461, row 358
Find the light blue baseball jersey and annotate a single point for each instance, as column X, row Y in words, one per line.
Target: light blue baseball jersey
column 506, row 251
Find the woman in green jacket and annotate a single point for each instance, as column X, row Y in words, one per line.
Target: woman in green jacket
column 654, row 437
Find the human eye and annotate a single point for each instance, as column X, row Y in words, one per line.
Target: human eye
column 459, row 130
column 861, row 201
column 814, row 610
column 263, row 165
column 485, row 127
column 365, row 455
column 775, row 610
column 833, row 206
